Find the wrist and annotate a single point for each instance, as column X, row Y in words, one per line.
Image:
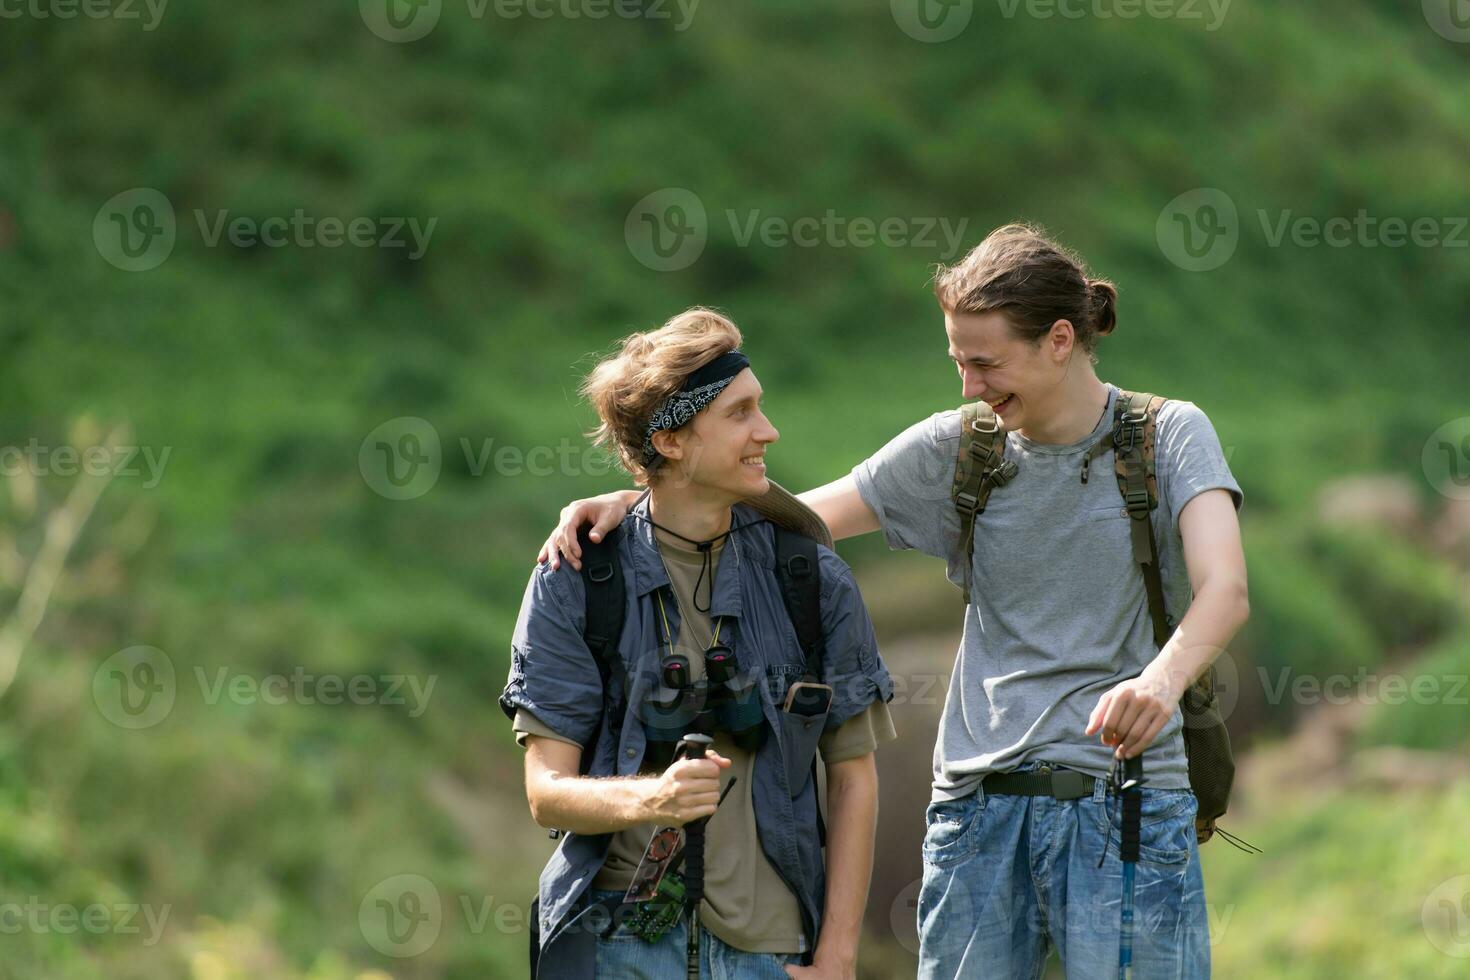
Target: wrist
column 839, row 956
column 1173, row 680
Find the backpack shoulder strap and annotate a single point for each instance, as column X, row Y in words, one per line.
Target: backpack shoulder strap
column 1135, row 419
column 800, row 577
column 980, row 467
column 602, row 577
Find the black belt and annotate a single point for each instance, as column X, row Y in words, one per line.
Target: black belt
column 1064, row 784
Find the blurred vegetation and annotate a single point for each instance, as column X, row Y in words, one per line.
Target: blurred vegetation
column 263, row 550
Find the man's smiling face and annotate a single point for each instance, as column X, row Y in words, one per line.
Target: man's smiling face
column 1013, row 376
column 724, row 446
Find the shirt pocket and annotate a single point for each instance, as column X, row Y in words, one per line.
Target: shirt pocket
column 798, row 734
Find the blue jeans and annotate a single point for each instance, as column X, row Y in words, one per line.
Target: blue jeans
column 627, row 957
column 1006, row 878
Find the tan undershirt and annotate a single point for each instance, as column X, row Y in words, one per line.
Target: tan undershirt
column 746, row 904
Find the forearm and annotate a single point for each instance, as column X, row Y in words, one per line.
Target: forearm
column 852, row 821
column 589, row 805
column 1218, row 612
column 841, row 506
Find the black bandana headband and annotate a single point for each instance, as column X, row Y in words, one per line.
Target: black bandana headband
column 698, row 390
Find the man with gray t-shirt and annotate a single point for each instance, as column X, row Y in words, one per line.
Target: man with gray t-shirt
column 1059, row 611
column 1058, row 673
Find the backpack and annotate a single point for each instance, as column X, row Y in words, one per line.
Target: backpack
column 982, row 467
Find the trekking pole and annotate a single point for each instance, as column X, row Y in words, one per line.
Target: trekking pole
column 1131, row 795
column 693, row 747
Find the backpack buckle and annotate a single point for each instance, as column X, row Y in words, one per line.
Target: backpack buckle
column 986, row 426
column 968, row 501
column 1136, row 501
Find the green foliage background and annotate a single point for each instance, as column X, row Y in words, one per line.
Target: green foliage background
column 263, row 550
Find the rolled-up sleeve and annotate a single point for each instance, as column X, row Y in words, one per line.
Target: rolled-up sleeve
column 852, row 664
column 907, row 485
column 553, row 676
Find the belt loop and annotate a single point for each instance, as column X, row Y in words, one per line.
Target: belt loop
column 1099, row 790
column 980, row 796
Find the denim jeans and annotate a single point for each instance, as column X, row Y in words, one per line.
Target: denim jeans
column 1008, row 878
column 627, row 957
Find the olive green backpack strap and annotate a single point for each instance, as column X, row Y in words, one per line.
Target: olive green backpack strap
column 1206, row 740
column 1135, row 419
column 981, row 466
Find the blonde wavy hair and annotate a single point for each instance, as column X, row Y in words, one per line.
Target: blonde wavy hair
column 627, row 386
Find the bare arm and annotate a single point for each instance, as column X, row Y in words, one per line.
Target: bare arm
column 842, row 507
column 1216, row 564
column 838, row 503
column 852, row 811
column 1131, row 715
column 560, row 798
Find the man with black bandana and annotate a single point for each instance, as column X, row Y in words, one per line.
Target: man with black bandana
column 681, row 407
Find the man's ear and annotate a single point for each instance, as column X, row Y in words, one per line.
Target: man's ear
column 669, row 445
column 1062, row 338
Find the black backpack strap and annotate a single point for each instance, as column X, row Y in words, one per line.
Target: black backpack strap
column 602, row 577
column 801, row 589
column 1135, row 417
column 800, row 577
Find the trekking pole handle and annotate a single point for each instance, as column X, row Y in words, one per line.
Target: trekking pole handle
column 693, row 746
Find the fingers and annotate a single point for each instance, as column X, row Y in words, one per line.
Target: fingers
column 706, row 768
column 718, row 759
column 1138, row 741
column 1131, row 723
column 608, row 519
column 568, row 546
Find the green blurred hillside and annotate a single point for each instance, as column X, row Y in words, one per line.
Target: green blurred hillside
column 263, row 550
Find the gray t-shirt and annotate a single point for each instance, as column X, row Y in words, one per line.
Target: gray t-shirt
column 1060, row 613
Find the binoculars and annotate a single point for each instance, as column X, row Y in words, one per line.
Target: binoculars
column 725, row 700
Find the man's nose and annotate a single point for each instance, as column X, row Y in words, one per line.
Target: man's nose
column 971, row 383
column 768, row 433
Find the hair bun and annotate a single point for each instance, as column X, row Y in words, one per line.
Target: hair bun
column 1104, row 297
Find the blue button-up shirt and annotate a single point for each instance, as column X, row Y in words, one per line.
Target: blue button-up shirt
column 554, row 676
